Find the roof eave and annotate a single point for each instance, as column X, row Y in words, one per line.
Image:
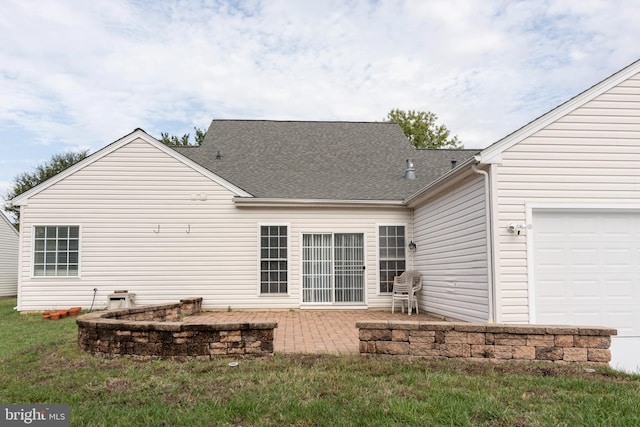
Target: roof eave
column 313, row 203
column 445, row 180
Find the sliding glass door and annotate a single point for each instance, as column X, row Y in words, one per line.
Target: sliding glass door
column 317, row 276
column 333, row 268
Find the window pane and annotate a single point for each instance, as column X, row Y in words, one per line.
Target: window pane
column 38, row 270
column 273, row 259
column 391, row 254
column 63, row 232
column 56, row 251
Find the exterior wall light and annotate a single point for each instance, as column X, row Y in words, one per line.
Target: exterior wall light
column 412, row 246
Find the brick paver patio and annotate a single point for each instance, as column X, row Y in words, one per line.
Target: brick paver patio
column 310, row 331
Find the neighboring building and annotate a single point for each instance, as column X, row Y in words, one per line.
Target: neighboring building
column 543, row 226
column 8, row 257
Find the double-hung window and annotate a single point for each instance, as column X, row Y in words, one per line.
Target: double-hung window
column 56, row 250
column 392, row 255
column 273, row 259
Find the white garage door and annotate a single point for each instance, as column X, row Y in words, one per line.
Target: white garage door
column 587, row 272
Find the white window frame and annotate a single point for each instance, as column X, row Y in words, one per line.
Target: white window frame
column 379, row 258
column 260, row 259
column 33, row 252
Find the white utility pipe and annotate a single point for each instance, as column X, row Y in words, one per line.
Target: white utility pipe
column 488, row 218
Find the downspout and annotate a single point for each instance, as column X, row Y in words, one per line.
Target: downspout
column 489, row 220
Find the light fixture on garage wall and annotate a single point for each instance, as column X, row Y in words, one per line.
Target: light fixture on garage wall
column 517, row 228
column 412, row 246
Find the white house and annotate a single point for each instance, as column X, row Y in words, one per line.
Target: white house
column 8, row 258
column 541, row 227
column 264, row 214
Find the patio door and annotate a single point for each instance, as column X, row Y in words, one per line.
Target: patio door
column 333, row 268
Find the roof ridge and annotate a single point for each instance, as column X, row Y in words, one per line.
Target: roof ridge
column 302, row 121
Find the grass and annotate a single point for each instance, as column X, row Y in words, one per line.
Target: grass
column 40, row 363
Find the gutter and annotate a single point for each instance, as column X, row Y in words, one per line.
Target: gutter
column 488, row 222
column 312, row 203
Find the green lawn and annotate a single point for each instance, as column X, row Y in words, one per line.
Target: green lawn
column 40, row 363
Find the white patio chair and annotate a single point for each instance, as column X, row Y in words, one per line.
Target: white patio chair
column 405, row 287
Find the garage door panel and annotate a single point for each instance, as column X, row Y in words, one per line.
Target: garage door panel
column 618, row 258
column 620, row 290
column 585, row 290
column 583, row 257
column 586, row 271
column 552, row 289
column 551, row 257
column 624, row 321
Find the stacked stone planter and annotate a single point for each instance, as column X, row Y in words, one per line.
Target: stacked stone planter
column 441, row 340
column 157, row 332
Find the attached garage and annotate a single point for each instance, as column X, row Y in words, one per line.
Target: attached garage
column 586, row 271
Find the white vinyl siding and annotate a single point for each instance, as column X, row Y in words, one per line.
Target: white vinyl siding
column 451, row 253
column 156, row 227
column 588, row 157
column 8, row 258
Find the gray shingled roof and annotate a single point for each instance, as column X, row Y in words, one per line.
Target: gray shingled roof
column 319, row 160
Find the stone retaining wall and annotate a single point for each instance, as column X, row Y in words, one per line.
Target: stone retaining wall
column 439, row 340
column 157, row 332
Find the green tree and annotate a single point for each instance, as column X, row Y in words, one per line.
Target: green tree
column 167, row 139
column 27, row 180
column 421, row 129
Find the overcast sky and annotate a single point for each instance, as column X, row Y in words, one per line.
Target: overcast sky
column 81, row 74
